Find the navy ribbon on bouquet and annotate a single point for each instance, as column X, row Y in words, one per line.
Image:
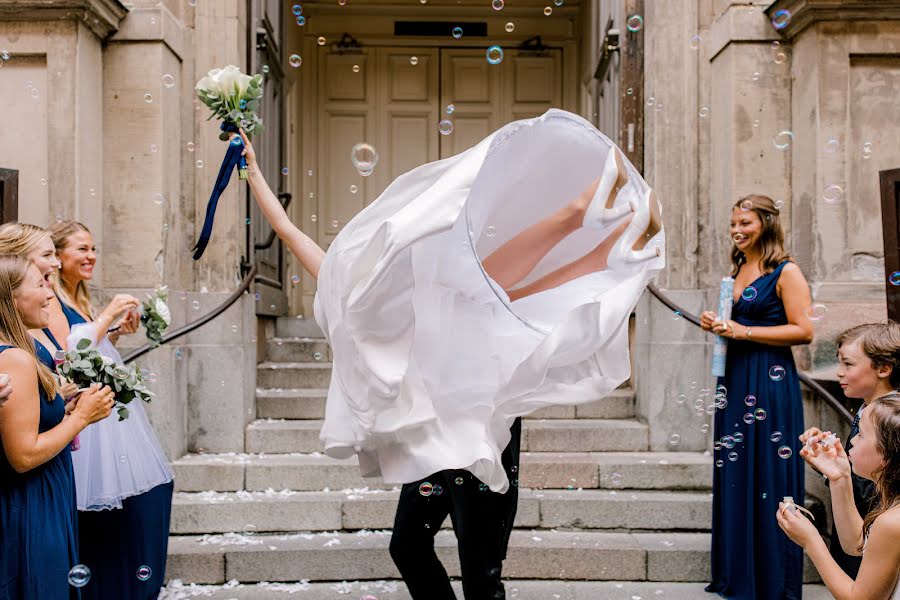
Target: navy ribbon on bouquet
column 233, row 158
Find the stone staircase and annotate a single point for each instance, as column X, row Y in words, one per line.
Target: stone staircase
column 595, row 504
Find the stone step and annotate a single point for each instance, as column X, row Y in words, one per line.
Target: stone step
column 539, row 554
column 291, row 403
column 261, row 512
column 298, row 349
column 520, row 589
column 310, row 404
column 292, row 327
column 548, row 470
column 290, row 375
column 547, row 435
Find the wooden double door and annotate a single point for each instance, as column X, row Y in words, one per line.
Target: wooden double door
column 395, row 99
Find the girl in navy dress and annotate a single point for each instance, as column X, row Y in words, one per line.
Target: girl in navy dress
column 756, row 432
column 37, row 490
column 123, row 479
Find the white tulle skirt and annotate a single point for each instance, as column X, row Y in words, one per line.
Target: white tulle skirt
column 117, row 459
column 432, row 362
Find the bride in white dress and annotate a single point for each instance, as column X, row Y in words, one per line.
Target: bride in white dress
column 475, row 290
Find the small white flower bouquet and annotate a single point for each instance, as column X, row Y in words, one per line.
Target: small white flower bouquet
column 155, row 315
column 85, row 365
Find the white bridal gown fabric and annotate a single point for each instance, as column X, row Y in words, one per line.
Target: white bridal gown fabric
column 117, row 459
column 432, row 362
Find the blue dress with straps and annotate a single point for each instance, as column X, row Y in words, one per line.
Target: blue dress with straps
column 38, row 525
column 751, row 557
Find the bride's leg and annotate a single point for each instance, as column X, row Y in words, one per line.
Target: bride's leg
column 593, row 261
column 511, row 262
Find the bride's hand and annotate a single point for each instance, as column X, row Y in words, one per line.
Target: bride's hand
column 249, row 153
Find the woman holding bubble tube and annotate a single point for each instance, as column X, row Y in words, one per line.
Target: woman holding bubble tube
column 759, row 412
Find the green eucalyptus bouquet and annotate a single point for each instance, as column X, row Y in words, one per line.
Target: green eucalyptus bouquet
column 155, row 315
column 85, row 366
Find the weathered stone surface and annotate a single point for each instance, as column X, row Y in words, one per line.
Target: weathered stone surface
column 293, row 375
column 584, row 435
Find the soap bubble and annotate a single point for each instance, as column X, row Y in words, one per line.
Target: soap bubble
column 728, row 441
column 144, row 572
column 199, row 164
column 747, row 205
column 168, row 80
column 356, row 68
column 79, row 575
column 250, row 529
column 457, row 32
column 894, row 278
column 720, row 462
column 738, row 437
column 760, row 414
column 159, row 198
column 445, row 127
column 548, row 10
column 313, row 218
column 775, row 437
column 265, row 69
column 364, row 157
column 755, row 76
column 558, row 2
column 616, row 479
column 783, row 139
column 651, row 101
column 676, row 316
column 749, row 418
column 817, row 312
column 490, row 231
column 832, row 194
column 353, row 189
column 297, row 10
column 777, row 373
column 179, row 354
column 510, row 27
column 831, row 146
column 497, row 4
column 674, row 439
column 295, row 60
column 148, row 97
column 195, row 305
column 321, row 41
column 301, row 21
column 413, row 60
column 750, row 400
column 781, row 18
column 779, row 204
column 704, row 112
column 732, row 456
column 284, row 171
column 317, row 355
column 438, row 490
column 426, row 489
column 629, row 92
column 695, row 42
column 635, row 23
column 494, row 55
column 680, row 399
column 749, row 293
column 4, row 54
column 191, row 147
column 866, row 148
column 785, row 452
column 450, row 109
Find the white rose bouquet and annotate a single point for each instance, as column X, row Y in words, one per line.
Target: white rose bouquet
column 155, row 315
column 85, row 365
column 234, row 98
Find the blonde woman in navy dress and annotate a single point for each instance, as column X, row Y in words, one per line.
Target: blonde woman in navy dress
column 38, row 546
column 123, row 479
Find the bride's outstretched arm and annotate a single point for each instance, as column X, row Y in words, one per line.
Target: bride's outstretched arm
column 301, row 245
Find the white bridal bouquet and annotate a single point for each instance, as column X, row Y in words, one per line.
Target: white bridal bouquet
column 155, row 315
column 233, row 97
column 85, row 365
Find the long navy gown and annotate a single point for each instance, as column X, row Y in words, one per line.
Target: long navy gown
column 751, row 557
column 38, row 526
column 125, row 548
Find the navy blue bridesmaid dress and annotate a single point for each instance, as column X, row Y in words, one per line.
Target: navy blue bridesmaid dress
column 38, row 526
column 759, row 463
column 125, row 548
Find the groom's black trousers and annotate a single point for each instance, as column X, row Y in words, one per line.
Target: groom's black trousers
column 482, row 520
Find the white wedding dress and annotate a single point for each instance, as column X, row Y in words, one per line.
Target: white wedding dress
column 116, row 459
column 432, row 362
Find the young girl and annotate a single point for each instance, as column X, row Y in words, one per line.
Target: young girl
column 869, row 368
column 875, row 455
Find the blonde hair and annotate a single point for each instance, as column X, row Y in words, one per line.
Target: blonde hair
column 12, row 330
column 880, row 342
column 884, row 414
column 771, row 238
column 21, row 238
column 61, row 233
